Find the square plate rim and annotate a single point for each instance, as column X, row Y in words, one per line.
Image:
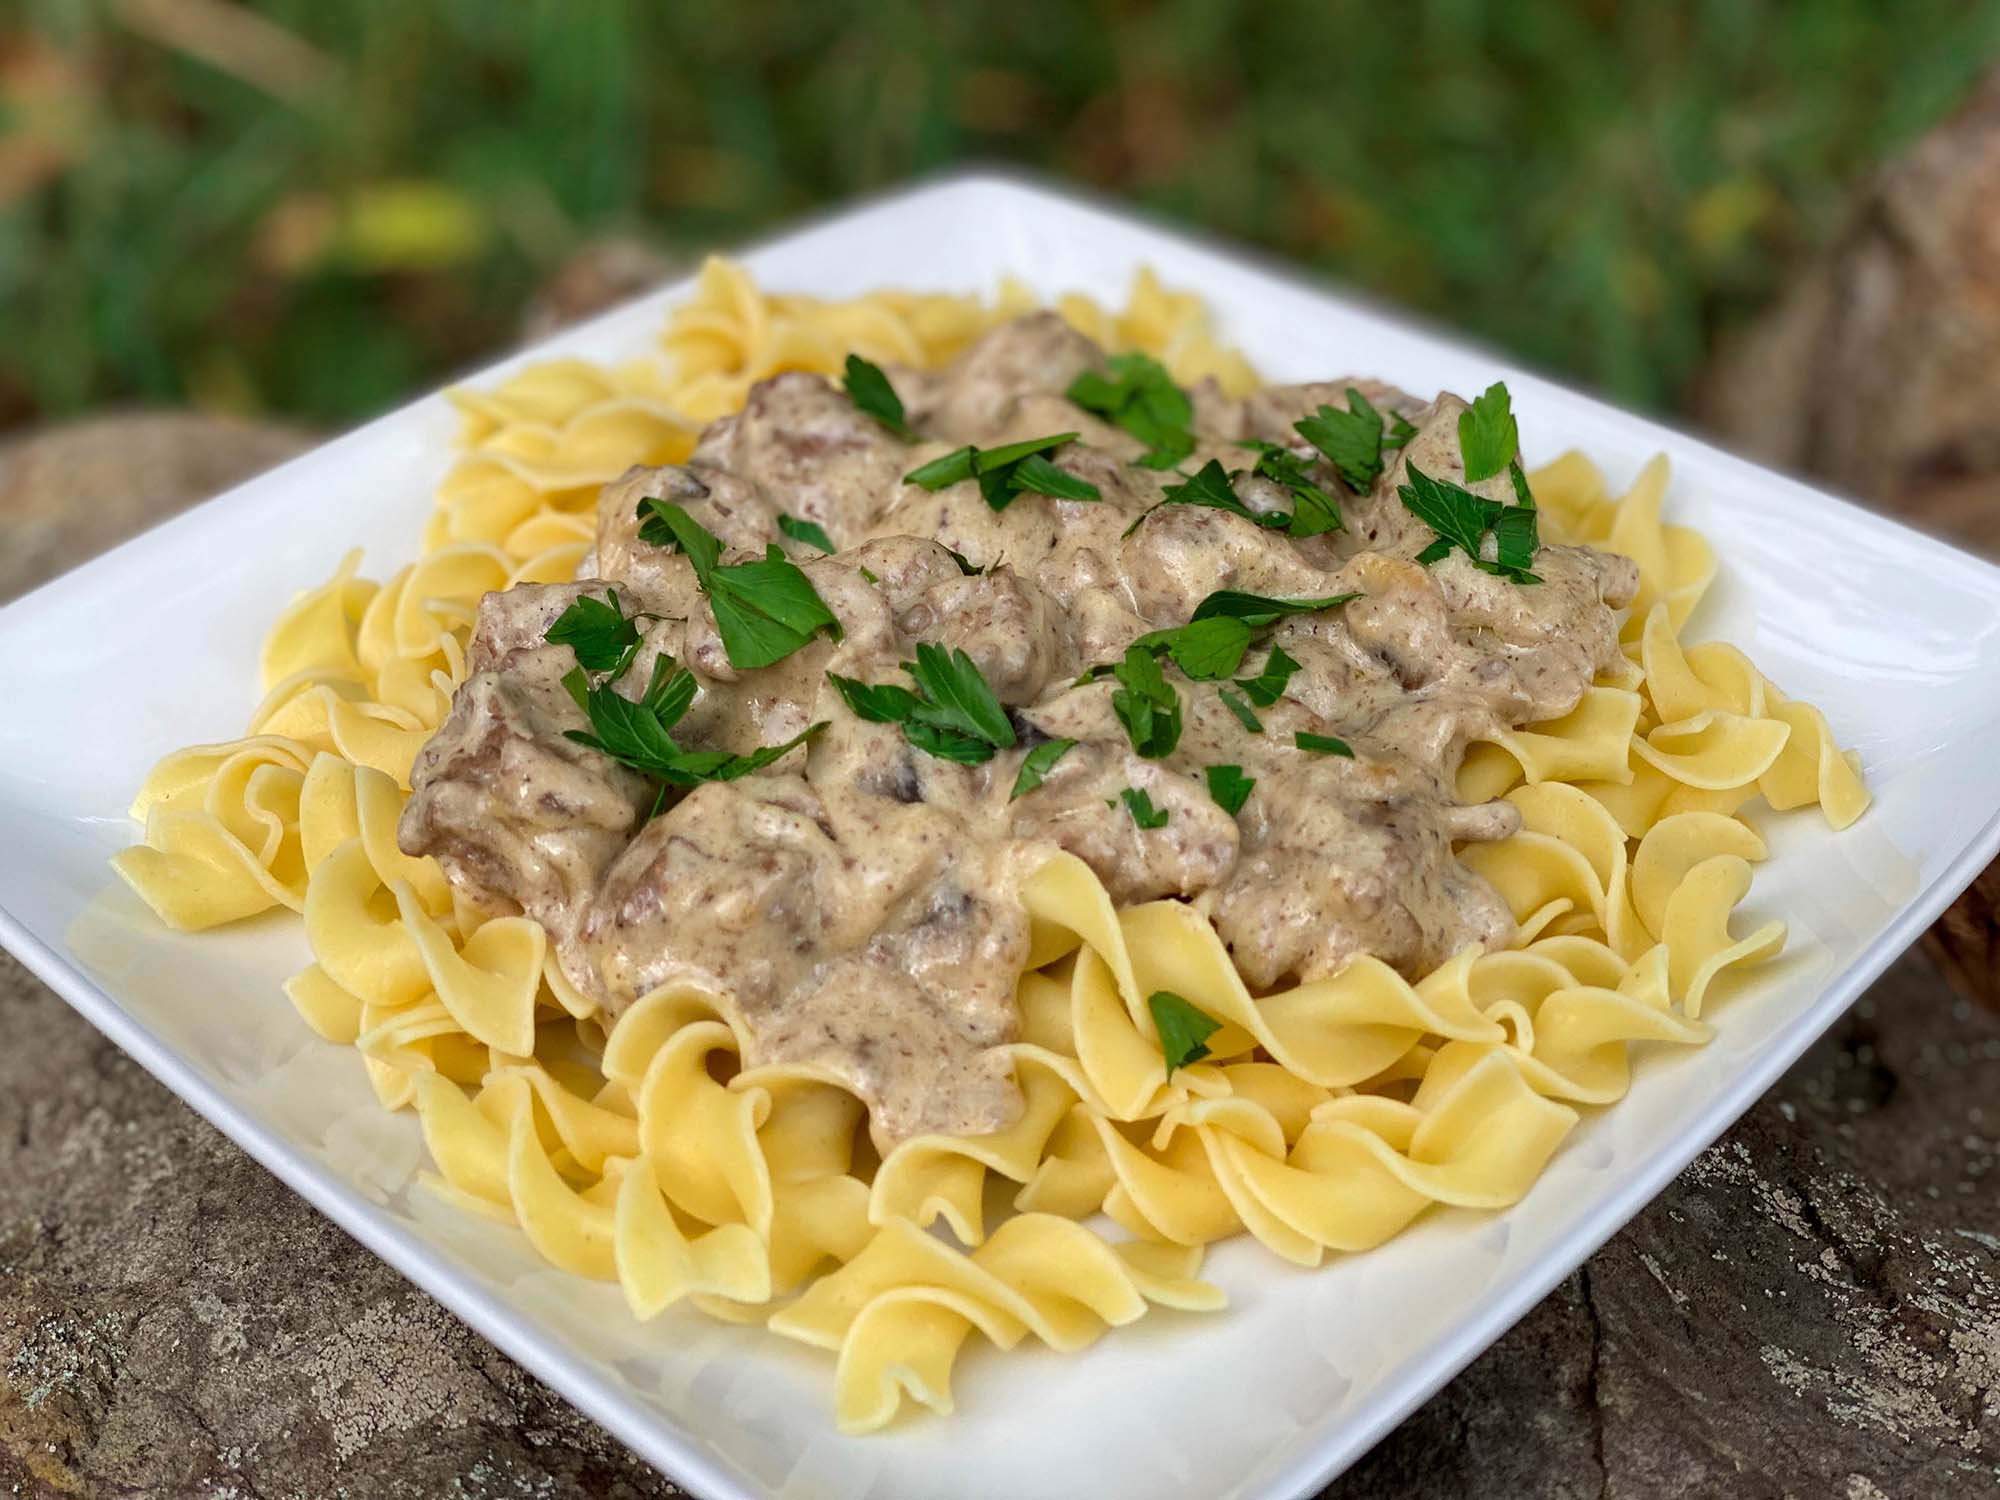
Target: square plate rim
column 661, row 1439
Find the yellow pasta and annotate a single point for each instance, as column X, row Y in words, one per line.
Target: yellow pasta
column 1325, row 1117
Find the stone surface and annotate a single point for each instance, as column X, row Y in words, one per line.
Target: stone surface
column 1879, row 371
column 69, row 492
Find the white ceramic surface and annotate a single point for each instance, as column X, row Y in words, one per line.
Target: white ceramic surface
column 154, row 645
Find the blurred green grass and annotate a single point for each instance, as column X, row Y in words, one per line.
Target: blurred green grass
column 313, row 209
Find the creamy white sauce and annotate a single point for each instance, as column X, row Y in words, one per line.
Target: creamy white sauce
column 858, row 903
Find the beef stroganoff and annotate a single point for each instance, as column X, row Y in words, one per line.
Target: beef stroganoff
column 887, row 749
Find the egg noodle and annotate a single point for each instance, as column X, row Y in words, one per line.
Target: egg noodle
column 641, row 1151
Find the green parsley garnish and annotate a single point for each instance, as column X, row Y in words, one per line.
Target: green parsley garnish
column 952, row 715
column 1035, row 473
column 1212, row 643
column 1146, row 703
column 1204, row 649
column 809, row 532
column 603, row 639
column 1003, row 473
column 1237, row 704
column 1351, row 439
column 764, row 610
column 1036, row 765
column 1314, row 511
column 1461, row 519
column 1140, row 806
column 1209, row 486
column 1141, row 397
column 965, row 564
column 638, row 734
column 1214, row 487
column 1229, row 787
column 1184, row 1031
column 1259, row 610
column 1488, row 436
column 1268, row 686
column 1323, row 744
column 869, row 389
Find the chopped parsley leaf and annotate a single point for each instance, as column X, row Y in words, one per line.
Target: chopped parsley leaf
column 1237, row 704
column 1037, row 474
column 1211, row 645
column 1203, row 649
column 1314, row 511
column 1268, row 686
column 1146, row 703
column 639, row 734
column 1488, row 436
column 1140, row 396
column 1229, row 787
column 1351, row 439
column 1140, row 806
column 952, row 715
column 1036, row 765
column 764, row 611
column 869, row 389
column 1184, row 1030
column 1006, row 472
column 809, row 532
column 1323, row 744
column 603, row 639
column 1258, row 610
column 957, row 697
column 1210, row 486
column 1461, row 519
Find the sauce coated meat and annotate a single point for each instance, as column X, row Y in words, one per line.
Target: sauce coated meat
column 858, row 902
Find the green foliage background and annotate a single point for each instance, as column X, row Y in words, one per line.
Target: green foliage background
column 313, row 208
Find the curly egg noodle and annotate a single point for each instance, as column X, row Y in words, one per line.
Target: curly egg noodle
column 1326, row 1117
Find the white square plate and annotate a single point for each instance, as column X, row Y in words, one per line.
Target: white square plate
column 1895, row 636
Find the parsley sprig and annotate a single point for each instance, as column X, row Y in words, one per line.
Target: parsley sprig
column 1353, row 440
column 1238, row 705
column 1229, row 787
column 1006, row 473
column 639, row 733
column 1146, row 703
column 1314, row 511
column 1323, row 744
column 1211, row 645
column 1461, row 519
column 1036, row 765
column 603, row 637
column 1213, row 487
column 1140, row 805
column 952, row 714
column 869, row 389
column 1139, row 396
column 764, row 610
column 1184, row 1030
column 1268, row 686
column 809, row 532
column 1488, row 436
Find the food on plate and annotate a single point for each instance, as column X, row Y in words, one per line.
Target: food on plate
column 892, row 748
